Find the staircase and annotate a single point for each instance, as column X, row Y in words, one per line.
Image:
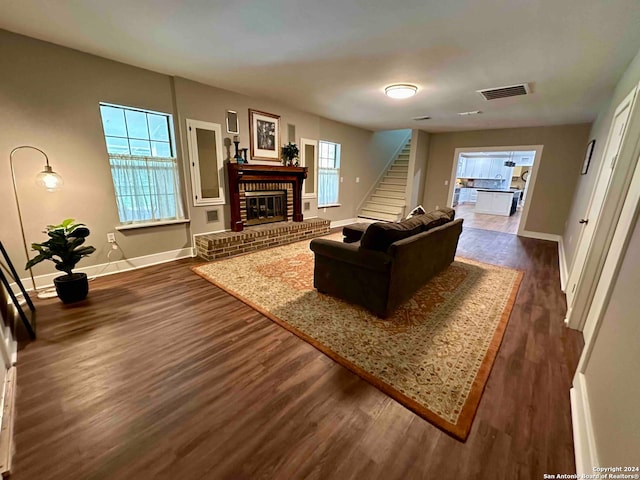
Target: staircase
column 387, row 202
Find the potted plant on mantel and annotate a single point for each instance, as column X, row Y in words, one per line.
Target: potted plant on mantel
column 290, row 153
column 64, row 248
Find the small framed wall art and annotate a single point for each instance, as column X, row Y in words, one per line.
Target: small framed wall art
column 587, row 158
column 264, row 139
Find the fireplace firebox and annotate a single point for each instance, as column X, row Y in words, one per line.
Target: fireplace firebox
column 266, row 206
column 269, row 181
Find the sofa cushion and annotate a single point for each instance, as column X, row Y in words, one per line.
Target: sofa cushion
column 449, row 212
column 379, row 236
column 353, row 233
column 433, row 219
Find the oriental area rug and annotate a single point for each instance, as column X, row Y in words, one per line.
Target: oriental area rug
column 433, row 354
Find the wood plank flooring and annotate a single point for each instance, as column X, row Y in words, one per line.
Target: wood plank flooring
column 161, row 375
column 496, row 223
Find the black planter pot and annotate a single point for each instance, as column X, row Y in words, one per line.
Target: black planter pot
column 72, row 288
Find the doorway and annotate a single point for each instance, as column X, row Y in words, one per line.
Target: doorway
column 491, row 187
column 580, row 285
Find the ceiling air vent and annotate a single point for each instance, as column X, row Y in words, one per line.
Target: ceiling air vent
column 504, row 92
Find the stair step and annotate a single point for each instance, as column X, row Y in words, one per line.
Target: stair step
column 388, row 200
column 399, row 168
column 396, row 173
column 395, row 188
column 381, row 192
column 378, row 215
column 394, row 180
column 379, row 207
column 401, row 163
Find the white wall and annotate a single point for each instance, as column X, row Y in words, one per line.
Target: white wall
column 607, row 384
column 49, row 98
column 612, row 375
column 417, row 168
column 586, row 183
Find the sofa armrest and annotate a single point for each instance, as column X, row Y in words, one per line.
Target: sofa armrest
column 351, row 253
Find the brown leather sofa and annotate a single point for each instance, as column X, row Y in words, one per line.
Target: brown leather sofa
column 389, row 263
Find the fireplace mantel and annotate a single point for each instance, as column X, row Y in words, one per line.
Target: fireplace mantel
column 252, row 173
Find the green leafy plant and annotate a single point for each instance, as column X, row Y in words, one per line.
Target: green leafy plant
column 290, row 152
column 64, row 247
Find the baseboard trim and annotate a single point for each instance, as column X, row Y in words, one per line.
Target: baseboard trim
column 552, row 237
column 45, row 281
column 342, row 223
column 8, row 417
column 562, row 258
column 584, row 444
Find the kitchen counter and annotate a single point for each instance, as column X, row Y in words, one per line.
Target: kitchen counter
column 494, row 201
column 500, row 190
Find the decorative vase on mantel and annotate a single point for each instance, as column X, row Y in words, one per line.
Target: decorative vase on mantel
column 290, row 153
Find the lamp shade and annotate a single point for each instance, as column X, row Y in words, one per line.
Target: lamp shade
column 49, row 180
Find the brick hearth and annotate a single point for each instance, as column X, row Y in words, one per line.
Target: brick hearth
column 213, row 246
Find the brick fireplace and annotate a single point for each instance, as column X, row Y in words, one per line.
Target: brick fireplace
column 264, row 193
column 263, row 197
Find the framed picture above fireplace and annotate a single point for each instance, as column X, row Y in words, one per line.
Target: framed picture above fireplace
column 264, row 140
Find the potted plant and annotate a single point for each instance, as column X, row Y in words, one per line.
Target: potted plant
column 290, row 152
column 64, row 248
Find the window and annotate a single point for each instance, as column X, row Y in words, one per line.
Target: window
column 144, row 167
column 328, row 174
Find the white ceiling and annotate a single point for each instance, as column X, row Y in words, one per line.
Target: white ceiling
column 334, row 57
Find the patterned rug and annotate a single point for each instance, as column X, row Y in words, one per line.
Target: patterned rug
column 433, row 355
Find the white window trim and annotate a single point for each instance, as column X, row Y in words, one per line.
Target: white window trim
column 159, row 223
column 339, row 161
column 194, row 163
column 172, row 158
column 314, row 143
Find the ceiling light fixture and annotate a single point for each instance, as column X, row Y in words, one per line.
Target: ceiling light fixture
column 425, row 117
column 400, row 90
column 474, row 112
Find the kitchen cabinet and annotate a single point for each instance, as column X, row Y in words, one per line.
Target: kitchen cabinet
column 469, row 168
column 489, row 168
column 462, row 164
column 468, row 195
column 484, row 168
column 495, row 202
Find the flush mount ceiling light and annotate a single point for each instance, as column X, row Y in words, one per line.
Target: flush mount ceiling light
column 425, row 117
column 474, row 112
column 400, row 90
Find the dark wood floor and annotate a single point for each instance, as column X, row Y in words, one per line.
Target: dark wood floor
column 162, row 375
column 497, row 223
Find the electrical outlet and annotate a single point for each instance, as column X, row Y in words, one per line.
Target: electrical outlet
column 341, row 179
column 111, row 237
column 357, row 179
column 446, row 182
column 437, row 207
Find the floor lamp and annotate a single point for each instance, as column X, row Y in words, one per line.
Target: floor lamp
column 47, row 179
